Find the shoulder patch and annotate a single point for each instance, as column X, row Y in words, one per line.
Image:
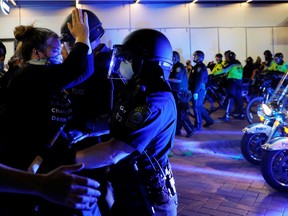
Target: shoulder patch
column 138, row 116
column 199, row 69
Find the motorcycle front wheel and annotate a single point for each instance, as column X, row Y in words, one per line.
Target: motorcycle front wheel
column 251, row 147
column 252, row 108
column 274, row 169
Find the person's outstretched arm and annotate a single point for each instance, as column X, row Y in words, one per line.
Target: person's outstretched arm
column 59, row 186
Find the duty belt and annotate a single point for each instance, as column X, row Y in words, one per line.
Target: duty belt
column 161, row 186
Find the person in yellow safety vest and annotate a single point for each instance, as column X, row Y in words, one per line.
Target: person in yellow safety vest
column 263, row 67
column 234, row 71
column 218, row 66
column 217, row 74
column 269, row 61
column 279, row 65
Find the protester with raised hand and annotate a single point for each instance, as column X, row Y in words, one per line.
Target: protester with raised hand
column 36, row 109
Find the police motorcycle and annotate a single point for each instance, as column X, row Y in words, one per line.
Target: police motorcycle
column 262, row 88
column 273, row 123
column 274, row 165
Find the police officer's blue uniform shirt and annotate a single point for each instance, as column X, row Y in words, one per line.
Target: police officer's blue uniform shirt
column 149, row 122
column 179, row 72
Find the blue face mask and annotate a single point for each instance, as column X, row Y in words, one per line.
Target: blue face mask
column 55, row 60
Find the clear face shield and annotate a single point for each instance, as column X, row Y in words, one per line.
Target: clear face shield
column 121, row 64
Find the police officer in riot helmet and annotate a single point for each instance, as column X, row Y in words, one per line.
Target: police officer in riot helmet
column 142, row 127
column 179, row 83
column 197, row 84
column 92, row 101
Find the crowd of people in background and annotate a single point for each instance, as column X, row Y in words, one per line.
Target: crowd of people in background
column 234, row 77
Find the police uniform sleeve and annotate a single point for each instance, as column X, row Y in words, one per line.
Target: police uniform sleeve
column 199, row 79
column 142, row 125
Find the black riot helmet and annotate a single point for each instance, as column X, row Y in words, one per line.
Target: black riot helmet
column 219, row 55
column 200, row 55
column 149, row 53
column 278, row 57
column 231, row 56
column 176, row 57
column 95, row 27
column 267, row 54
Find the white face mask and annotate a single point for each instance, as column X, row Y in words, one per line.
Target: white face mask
column 126, row 70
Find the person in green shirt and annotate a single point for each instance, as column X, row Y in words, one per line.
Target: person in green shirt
column 234, row 71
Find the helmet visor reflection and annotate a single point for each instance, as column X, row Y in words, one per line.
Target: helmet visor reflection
column 119, row 54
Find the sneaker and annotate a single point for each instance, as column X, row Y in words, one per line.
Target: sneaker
column 224, row 118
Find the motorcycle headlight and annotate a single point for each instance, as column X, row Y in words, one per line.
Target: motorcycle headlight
column 266, row 109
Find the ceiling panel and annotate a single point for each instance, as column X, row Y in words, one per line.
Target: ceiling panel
column 72, row 2
column 199, row 1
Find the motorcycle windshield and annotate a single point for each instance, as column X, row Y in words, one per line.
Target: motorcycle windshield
column 279, row 96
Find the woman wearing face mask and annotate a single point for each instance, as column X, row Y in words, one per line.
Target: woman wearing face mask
column 36, row 108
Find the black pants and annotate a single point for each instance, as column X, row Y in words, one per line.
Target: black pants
column 235, row 97
column 183, row 119
column 200, row 111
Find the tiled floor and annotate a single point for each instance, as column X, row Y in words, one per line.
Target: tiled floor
column 212, row 177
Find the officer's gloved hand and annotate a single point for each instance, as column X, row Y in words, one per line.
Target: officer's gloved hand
column 195, row 96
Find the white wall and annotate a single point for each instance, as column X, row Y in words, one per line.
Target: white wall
column 247, row 29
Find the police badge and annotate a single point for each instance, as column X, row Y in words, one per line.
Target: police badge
column 138, row 116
